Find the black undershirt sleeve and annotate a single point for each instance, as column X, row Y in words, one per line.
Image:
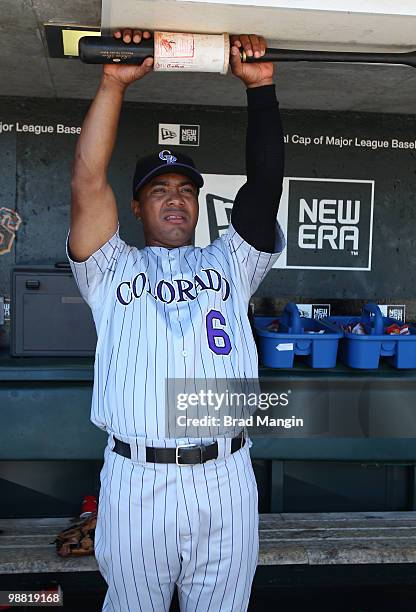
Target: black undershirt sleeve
column 256, row 204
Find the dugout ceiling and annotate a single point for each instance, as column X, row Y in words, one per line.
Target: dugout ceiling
column 26, row 70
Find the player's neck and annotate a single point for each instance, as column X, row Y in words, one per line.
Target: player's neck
column 151, row 242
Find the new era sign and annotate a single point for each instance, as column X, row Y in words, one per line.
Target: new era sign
column 394, row 311
column 314, row 311
column 176, row 134
column 329, row 224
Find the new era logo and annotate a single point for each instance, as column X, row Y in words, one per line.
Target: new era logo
column 189, row 135
column 394, row 311
column 329, row 223
column 314, row 311
column 320, row 311
column 219, row 214
column 168, row 134
column 176, row 134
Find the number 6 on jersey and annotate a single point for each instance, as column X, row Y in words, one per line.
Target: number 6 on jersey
column 218, row 339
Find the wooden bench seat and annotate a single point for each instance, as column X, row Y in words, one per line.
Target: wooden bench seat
column 26, row 545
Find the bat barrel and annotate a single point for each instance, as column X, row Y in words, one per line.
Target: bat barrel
column 293, row 55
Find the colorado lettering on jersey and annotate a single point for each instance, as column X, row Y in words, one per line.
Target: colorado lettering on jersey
column 174, row 290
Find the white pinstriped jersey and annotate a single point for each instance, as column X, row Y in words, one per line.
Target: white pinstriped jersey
column 167, row 313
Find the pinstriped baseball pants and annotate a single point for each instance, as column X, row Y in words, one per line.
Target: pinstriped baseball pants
column 161, row 524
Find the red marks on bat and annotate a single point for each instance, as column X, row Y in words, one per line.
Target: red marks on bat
column 168, row 45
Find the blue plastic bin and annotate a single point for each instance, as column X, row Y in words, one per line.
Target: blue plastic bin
column 278, row 349
column 364, row 351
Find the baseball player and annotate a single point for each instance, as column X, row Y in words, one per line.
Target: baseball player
column 173, row 511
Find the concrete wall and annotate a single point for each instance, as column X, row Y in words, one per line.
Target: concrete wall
column 35, row 176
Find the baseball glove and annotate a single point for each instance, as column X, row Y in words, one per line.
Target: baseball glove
column 77, row 540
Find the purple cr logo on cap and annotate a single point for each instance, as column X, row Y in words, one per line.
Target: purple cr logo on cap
column 167, row 156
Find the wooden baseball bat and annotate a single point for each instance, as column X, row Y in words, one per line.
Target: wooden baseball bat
column 108, row 50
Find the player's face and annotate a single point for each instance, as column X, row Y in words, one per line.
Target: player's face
column 168, row 207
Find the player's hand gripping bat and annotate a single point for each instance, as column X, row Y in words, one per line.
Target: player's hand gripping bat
column 210, row 53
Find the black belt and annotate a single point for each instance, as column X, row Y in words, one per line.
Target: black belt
column 186, row 454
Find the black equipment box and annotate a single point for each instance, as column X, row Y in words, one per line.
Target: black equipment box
column 48, row 315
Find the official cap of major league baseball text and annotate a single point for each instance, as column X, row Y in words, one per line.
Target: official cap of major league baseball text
column 161, row 163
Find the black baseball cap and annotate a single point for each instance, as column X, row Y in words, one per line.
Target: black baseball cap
column 162, row 163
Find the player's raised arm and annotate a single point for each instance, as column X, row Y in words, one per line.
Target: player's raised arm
column 256, row 204
column 94, row 217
